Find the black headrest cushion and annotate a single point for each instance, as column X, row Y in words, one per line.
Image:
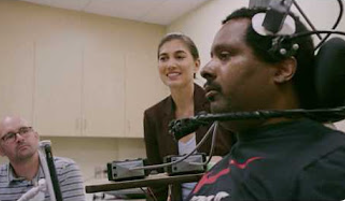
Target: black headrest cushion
column 330, row 73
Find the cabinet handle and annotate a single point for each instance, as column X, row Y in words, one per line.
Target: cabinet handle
column 77, row 123
column 128, row 126
column 85, row 124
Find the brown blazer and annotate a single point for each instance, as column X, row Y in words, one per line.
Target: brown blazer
column 159, row 143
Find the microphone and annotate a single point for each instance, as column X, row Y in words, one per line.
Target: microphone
column 182, row 127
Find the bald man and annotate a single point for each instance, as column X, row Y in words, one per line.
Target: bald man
column 19, row 142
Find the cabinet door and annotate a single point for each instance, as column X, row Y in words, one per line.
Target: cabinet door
column 103, row 92
column 143, row 89
column 103, row 80
column 16, row 83
column 57, row 108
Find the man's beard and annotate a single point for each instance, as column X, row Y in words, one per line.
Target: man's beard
column 221, row 105
column 27, row 155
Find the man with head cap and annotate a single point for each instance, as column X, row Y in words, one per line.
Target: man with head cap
column 278, row 158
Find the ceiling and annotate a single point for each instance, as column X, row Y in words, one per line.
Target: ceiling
column 161, row 12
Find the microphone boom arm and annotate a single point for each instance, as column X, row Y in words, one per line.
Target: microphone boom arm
column 184, row 126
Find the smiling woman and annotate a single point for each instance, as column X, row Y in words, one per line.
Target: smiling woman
column 178, row 62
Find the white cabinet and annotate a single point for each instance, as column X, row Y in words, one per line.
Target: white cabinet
column 143, row 89
column 103, row 93
column 77, row 74
column 103, row 88
column 17, row 80
column 79, row 89
column 58, row 80
column 79, row 95
column 57, row 106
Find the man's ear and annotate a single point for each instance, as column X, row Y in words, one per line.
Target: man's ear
column 36, row 135
column 285, row 70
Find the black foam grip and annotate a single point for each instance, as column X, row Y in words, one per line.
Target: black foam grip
column 52, row 170
column 182, row 127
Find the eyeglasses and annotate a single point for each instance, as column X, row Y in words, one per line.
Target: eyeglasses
column 12, row 136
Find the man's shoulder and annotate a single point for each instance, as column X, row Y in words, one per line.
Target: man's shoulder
column 333, row 146
column 322, row 142
column 63, row 163
column 59, row 159
column 325, row 172
column 66, row 167
column 334, row 136
column 319, row 131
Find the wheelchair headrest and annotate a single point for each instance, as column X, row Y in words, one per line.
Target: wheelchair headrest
column 330, row 74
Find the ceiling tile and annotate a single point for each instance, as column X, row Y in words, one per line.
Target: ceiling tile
column 78, row 5
column 152, row 11
column 129, row 9
column 42, row 2
column 171, row 10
